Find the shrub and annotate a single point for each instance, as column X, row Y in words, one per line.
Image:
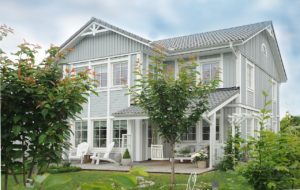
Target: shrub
column 199, row 156
column 126, row 154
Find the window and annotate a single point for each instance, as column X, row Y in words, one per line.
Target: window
column 80, row 132
column 210, row 71
column 101, row 75
column 120, row 72
column 250, row 84
column 80, row 69
column 119, row 128
column 99, row 139
column 264, row 49
column 169, row 68
column 190, row 135
column 206, row 129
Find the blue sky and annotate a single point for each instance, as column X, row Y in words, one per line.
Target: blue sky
column 52, row 22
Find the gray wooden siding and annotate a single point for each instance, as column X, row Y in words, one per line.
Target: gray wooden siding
column 84, row 112
column 99, row 104
column 262, row 83
column 229, row 70
column 118, row 100
column 243, row 80
column 252, row 50
column 103, row 45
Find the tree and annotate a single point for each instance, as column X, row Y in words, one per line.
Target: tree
column 289, row 121
column 173, row 103
column 37, row 103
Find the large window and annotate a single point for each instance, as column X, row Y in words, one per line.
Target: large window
column 190, row 135
column 80, row 132
column 210, row 71
column 101, row 75
column 250, row 83
column 99, row 139
column 119, row 128
column 120, row 73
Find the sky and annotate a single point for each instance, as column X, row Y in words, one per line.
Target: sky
column 53, row 22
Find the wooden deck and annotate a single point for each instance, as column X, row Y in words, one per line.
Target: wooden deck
column 151, row 167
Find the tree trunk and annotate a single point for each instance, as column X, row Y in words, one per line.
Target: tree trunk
column 15, row 177
column 173, row 181
column 6, row 179
column 23, row 162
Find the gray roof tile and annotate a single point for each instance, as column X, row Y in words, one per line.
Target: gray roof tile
column 213, row 38
column 215, row 99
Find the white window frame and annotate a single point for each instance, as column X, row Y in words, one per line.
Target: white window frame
column 93, row 123
column 123, row 61
column 81, row 131
column 97, row 65
column 120, row 135
column 252, row 88
column 210, row 61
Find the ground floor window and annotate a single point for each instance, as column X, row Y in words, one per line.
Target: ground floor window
column 190, row 135
column 119, row 128
column 206, row 129
column 100, row 134
column 80, row 132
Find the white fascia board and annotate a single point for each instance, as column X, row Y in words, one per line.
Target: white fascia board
column 130, row 117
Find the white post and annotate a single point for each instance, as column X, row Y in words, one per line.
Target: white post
column 138, row 138
column 212, row 140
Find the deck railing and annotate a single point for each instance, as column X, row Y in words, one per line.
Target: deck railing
column 157, row 152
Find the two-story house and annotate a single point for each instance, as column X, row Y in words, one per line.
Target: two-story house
column 247, row 56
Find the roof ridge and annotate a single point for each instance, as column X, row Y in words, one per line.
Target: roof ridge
column 230, row 28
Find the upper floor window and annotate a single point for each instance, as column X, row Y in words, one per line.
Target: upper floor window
column 264, row 49
column 80, row 69
column 210, row 71
column 101, row 75
column 120, row 73
column 250, row 91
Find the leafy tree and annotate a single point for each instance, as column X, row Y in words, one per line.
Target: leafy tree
column 173, row 103
column 274, row 162
column 289, row 121
column 37, row 103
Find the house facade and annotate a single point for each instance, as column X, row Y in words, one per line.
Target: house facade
column 249, row 61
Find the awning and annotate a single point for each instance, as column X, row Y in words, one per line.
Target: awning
column 216, row 100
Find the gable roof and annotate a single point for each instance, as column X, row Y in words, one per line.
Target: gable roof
column 212, row 38
column 215, row 99
column 104, row 24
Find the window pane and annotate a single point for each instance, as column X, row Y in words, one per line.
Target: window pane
column 206, row 72
column 215, row 71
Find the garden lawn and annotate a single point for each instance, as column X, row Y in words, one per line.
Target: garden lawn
column 226, row 180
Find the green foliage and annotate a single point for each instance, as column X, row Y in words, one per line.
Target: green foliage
column 172, row 103
column 289, row 121
column 62, row 169
column 185, row 151
column 37, row 102
column 232, row 151
column 126, row 154
column 274, row 158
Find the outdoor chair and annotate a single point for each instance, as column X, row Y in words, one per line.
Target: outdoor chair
column 96, row 157
column 79, row 152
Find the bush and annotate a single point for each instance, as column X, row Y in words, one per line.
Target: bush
column 274, row 162
column 126, row 154
column 62, row 169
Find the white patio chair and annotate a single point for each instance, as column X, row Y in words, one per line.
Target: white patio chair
column 96, row 157
column 80, row 152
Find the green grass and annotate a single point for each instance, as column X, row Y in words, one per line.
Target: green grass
column 226, row 180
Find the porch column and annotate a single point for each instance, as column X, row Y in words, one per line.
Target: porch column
column 212, row 140
column 138, row 140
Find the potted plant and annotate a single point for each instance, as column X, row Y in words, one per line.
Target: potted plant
column 126, row 159
column 200, row 159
